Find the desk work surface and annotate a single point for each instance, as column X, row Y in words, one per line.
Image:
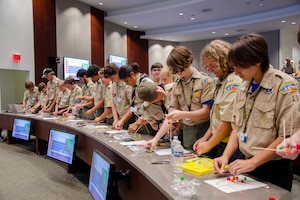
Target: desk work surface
column 160, row 175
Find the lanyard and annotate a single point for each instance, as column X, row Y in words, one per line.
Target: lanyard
column 245, row 117
column 191, row 96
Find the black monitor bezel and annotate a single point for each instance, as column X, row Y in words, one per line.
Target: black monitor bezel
column 30, row 129
column 75, row 145
column 111, row 178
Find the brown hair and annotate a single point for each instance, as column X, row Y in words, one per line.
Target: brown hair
column 29, row 84
column 179, row 59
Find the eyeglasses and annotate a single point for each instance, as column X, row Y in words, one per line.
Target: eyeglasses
column 156, row 70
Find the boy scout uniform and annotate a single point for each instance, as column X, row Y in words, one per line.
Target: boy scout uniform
column 168, row 96
column 136, row 102
column 43, row 98
column 189, row 96
column 88, row 89
column 77, row 91
column 258, row 116
column 63, row 99
column 52, row 88
column 224, row 96
column 32, row 97
column 98, row 96
column 153, row 114
column 121, row 93
column 107, row 95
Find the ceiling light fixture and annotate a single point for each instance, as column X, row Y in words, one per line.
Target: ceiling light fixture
column 100, row 4
column 283, row 21
column 192, row 18
column 181, row 14
column 226, row 34
column 293, row 23
column 125, row 22
column 135, row 26
column 261, row 4
column 214, row 32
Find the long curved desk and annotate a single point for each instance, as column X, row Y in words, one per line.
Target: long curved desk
column 148, row 181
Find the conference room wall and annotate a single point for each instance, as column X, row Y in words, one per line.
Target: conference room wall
column 73, row 31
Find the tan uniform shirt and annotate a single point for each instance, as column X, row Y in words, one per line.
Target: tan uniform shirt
column 32, row 97
column 136, row 101
column 63, row 98
column 192, row 93
column 43, row 98
column 276, row 100
column 168, row 96
column 107, row 94
column 224, row 96
column 121, row 93
column 88, row 89
column 98, row 94
column 77, row 91
column 153, row 113
column 52, row 88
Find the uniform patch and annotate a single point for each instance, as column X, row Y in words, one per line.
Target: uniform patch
column 207, row 80
column 288, row 87
column 232, row 87
column 269, row 91
column 197, row 94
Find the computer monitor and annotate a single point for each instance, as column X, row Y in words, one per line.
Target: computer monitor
column 101, row 177
column 72, row 65
column 21, row 129
column 61, row 146
column 118, row 60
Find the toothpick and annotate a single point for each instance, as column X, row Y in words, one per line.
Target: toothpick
column 170, row 131
column 261, row 148
column 291, row 128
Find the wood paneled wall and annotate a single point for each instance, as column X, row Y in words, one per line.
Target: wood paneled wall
column 137, row 49
column 44, row 23
column 97, row 36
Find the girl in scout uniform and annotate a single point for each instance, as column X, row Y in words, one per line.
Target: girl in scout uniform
column 214, row 58
column 131, row 76
column 121, row 95
column 264, row 104
column 42, row 87
column 192, row 99
column 62, row 101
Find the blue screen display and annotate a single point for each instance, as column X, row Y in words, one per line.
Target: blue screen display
column 99, row 177
column 61, row 146
column 21, row 129
column 118, row 60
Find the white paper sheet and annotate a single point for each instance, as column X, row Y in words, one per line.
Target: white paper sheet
column 166, row 152
column 140, row 142
column 228, row 187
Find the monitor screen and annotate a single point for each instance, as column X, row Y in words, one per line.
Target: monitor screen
column 118, row 60
column 101, row 176
column 72, row 65
column 21, row 129
column 61, row 146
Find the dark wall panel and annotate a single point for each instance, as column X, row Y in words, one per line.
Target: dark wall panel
column 137, row 49
column 44, row 23
column 97, row 36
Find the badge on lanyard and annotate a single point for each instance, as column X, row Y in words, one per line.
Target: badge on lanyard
column 133, row 109
column 243, row 137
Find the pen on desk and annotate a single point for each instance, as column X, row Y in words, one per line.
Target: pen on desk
column 161, row 162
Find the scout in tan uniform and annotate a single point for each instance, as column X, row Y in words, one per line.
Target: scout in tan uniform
column 121, row 94
column 131, row 76
column 88, row 89
column 266, row 99
column 52, row 90
column 214, row 58
column 153, row 107
column 106, row 116
column 155, row 72
column 75, row 91
column 31, row 96
column 42, row 87
column 96, row 74
column 168, row 81
column 192, row 99
column 63, row 98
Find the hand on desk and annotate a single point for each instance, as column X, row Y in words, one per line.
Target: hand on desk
column 150, row 145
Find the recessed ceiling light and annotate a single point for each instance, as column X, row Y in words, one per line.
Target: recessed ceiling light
column 180, row 14
column 214, row 32
column 192, row 18
column 135, row 26
column 283, row 21
column 226, row 34
column 125, row 22
column 100, row 4
column 261, row 4
column 293, row 23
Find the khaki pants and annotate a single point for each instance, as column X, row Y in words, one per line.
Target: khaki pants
column 192, row 133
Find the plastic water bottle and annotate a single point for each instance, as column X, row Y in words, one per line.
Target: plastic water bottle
column 173, row 143
column 178, row 158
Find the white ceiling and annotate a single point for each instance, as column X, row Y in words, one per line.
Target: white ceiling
column 160, row 19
